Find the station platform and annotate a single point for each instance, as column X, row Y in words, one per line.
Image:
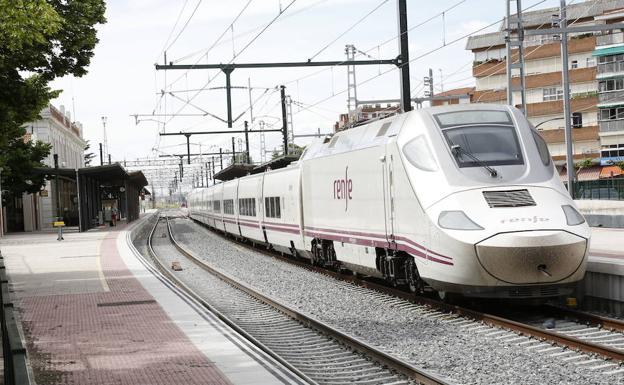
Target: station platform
column 93, row 312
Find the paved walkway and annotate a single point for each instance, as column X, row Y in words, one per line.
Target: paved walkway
column 92, row 314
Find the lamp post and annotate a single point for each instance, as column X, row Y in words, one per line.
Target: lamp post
column 105, row 140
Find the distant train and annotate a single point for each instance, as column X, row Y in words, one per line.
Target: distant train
column 460, row 199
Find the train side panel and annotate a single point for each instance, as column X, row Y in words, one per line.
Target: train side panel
column 228, row 207
column 282, row 210
column 217, row 204
column 344, row 201
column 249, row 207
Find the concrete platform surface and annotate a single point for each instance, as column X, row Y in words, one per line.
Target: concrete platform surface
column 92, row 313
column 606, row 252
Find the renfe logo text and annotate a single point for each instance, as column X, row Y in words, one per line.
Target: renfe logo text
column 343, row 188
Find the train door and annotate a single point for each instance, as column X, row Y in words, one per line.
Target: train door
column 387, row 161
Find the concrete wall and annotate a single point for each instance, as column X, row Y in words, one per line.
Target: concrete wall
column 602, row 213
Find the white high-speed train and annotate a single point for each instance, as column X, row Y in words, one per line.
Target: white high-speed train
column 461, row 199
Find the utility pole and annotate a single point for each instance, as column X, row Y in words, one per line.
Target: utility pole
column 251, row 118
column 514, row 23
column 291, row 128
column 212, row 162
column 351, row 84
column 221, row 157
column 233, row 150
column 284, row 119
column 109, row 158
column 406, row 98
column 247, row 142
column 563, row 23
column 262, row 142
column 101, row 156
column 428, row 81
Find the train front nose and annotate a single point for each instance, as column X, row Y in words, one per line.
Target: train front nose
column 529, row 257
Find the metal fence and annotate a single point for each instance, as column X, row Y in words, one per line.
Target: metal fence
column 13, row 350
column 604, row 189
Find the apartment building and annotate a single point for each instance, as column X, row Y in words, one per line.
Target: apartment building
column 544, row 91
column 610, row 78
column 366, row 112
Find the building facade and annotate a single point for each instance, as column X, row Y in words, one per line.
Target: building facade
column 609, row 53
column 66, row 137
column 543, row 79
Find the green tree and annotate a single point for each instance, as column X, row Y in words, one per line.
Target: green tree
column 585, row 163
column 40, row 40
column 621, row 165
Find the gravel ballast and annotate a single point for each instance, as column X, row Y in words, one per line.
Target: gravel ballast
column 468, row 354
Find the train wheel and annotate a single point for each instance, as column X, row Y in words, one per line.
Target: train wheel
column 414, row 282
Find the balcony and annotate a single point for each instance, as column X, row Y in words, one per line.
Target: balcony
column 611, row 97
column 611, row 125
column 610, row 68
column 612, row 38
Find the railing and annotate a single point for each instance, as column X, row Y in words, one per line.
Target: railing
column 603, row 189
column 13, row 350
column 611, row 96
column 611, row 125
column 613, row 67
column 612, row 38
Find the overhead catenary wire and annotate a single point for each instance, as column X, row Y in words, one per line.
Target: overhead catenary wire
column 184, row 26
column 238, row 54
column 350, row 28
column 421, row 56
column 164, row 48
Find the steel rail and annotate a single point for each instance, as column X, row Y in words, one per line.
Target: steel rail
column 409, row 370
column 216, row 312
column 589, row 318
column 489, row 319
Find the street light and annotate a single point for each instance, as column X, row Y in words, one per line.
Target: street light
column 104, row 119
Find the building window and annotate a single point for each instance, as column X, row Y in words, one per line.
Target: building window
column 611, row 85
column 552, row 93
column 577, row 120
column 590, row 62
column 272, row 207
column 574, row 64
column 611, row 113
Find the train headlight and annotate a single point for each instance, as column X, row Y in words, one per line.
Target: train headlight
column 573, row 217
column 457, row 220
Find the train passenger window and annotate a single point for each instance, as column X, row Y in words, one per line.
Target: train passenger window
column 247, row 207
column 228, row 206
column 272, row 207
column 461, row 118
column 490, row 145
column 542, row 148
column 217, row 206
column 418, row 154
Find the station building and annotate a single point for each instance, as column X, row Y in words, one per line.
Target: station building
column 83, row 196
column 34, row 212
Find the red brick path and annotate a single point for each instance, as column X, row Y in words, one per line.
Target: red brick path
column 72, row 340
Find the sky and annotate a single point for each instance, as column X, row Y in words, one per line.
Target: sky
column 122, row 80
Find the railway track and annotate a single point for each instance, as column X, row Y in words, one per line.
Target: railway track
column 314, row 350
column 587, row 338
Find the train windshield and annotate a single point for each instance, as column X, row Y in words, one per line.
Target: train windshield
column 481, row 138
